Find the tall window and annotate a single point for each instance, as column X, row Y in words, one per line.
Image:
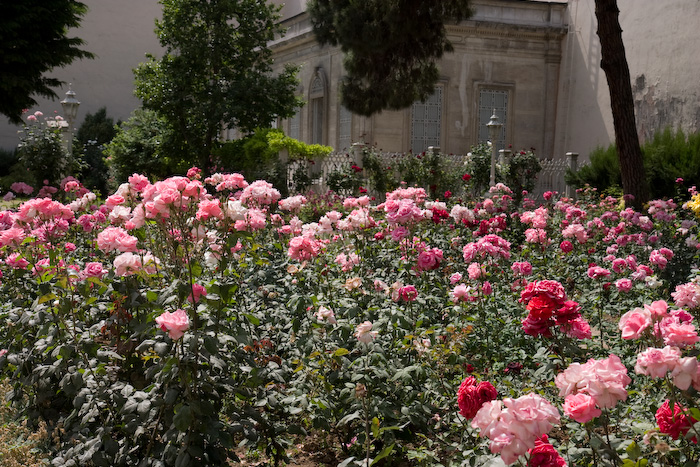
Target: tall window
column 490, row 100
column 294, row 125
column 426, row 120
column 344, row 129
column 317, row 100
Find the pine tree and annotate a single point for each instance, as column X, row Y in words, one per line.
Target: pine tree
column 33, row 42
column 391, row 47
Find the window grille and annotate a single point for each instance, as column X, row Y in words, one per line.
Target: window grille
column 426, row 120
column 344, row 129
column 294, row 125
column 490, row 100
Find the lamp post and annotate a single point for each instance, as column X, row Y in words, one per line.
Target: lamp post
column 494, row 129
column 70, row 109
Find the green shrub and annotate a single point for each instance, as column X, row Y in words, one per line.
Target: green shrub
column 140, row 145
column 42, row 154
column 667, row 157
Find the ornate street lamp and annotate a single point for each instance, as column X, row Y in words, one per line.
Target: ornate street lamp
column 494, row 130
column 70, row 110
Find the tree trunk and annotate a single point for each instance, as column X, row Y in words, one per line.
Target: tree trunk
column 614, row 64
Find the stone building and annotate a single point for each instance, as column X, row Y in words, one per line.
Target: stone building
column 507, row 58
column 536, row 62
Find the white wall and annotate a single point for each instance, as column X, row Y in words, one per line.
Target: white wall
column 119, row 33
column 660, row 41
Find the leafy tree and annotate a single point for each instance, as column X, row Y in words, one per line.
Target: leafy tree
column 391, row 47
column 95, row 132
column 33, row 42
column 216, row 70
column 138, row 148
column 614, row 64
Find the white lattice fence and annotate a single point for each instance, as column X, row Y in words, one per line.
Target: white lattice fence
column 550, row 178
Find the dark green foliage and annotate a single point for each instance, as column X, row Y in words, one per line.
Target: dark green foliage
column 667, row 157
column 139, row 146
column 215, row 70
column 8, row 158
column 520, row 174
column 95, row 132
column 253, row 158
column 602, row 172
column 391, row 47
column 33, row 42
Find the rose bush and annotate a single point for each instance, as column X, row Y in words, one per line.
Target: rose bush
column 182, row 318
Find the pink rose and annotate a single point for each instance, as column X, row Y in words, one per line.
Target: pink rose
column 634, row 322
column 94, row 270
column 581, row 407
column 657, row 362
column 175, row 324
column 197, row 292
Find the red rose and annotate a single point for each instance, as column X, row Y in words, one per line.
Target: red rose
column 544, row 455
column 674, row 422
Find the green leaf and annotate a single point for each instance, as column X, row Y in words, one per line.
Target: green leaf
column 183, row 418
column 633, row 451
column 375, row 427
column 252, row 319
column 340, row 352
column 211, row 344
column 385, row 452
column 348, row 418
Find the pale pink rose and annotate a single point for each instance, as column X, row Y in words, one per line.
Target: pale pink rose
column 460, row 293
column 127, row 264
column 657, row 362
column 175, row 324
column 114, row 200
column 116, row 239
column 474, row 271
column 581, row 407
column 685, row 296
column 303, row 248
column 326, row 314
column 454, row 278
column 685, row 372
column 16, row 261
column 634, row 323
column 12, row 237
column 678, row 333
column 364, row 332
